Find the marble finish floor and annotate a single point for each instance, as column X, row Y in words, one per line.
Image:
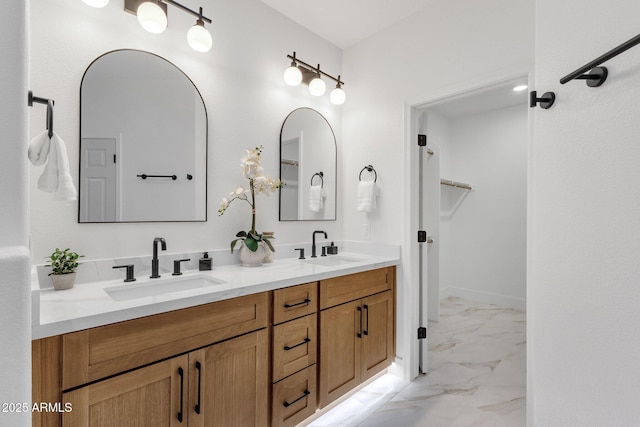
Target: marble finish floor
column 476, row 378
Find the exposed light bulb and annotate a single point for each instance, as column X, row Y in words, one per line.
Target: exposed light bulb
column 96, row 3
column 520, row 88
column 317, row 87
column 337, row 96
column 199, row 38
column 152, row 17
column 293, row 75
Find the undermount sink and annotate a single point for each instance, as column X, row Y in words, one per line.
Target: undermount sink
column 157, row 287
column 332, row 260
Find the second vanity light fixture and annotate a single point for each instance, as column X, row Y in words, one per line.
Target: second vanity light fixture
column 301, row 72
column 152, row 15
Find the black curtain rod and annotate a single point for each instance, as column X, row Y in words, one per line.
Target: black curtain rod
column 607, row 56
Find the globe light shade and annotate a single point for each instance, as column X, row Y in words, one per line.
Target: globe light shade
column 337, row 96
column 293, row 76
column 96, row 3
column 317, row 87
column 152, row 17
column 199, row 38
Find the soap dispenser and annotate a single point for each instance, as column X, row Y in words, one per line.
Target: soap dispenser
column 205, row 262
column 332, row 249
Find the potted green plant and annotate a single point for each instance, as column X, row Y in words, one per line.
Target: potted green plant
column 63, row 265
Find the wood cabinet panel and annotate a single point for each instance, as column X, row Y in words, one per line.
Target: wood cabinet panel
column 46, row 361
column 294, row 346
column 377, row 338
column 339, row 290
column 97, row 353
column 232, row 387
column 294, row 398
column 151, row 396
column 339, row 351
column 295, row 301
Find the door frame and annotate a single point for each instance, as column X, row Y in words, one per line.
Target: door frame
column 413, row 108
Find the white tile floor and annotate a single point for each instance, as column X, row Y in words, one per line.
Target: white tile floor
column 476, row 378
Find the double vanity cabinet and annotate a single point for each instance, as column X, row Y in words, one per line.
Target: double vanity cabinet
column 269, row 358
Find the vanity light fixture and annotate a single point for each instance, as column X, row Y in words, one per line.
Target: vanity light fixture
column 301, row 72
column 152, row 15
column 96, row 3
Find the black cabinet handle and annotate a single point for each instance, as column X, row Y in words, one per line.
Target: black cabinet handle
column 360, row 332
column 181, row 373
column 306, row 340
column 304, row 394
column 366, row 325
column 199, row 368
column 306, row 301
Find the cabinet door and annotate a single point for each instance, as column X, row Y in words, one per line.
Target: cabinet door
column 151, row 396
column 377, row 333
column 229, row 383
column 340, row 328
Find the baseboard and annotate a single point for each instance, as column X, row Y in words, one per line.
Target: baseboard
column 484, row 297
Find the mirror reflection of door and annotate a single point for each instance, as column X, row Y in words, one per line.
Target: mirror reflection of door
column 98, row 172
column 290, row 166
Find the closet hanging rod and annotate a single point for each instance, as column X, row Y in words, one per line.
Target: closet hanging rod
column 456, row 184
column 607, row 56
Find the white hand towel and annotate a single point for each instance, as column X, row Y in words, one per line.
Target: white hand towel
column 366, row 196
column 39, row 148
column 316, row 198
column 56, row 177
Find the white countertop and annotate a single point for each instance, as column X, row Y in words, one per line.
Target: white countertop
column 87, row 305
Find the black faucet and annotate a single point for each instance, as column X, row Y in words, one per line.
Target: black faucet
column 154, row 260
column 313, row 244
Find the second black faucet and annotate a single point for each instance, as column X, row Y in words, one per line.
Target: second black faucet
column 154, row 260
column 313, row 242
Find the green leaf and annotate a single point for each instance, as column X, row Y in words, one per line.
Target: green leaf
column 233, row 244
column 241, row 234
column 251, row 243
column 269, row 244
column 255, row 236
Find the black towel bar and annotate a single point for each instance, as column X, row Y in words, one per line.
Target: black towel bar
column 321, row 175
column 49, row 103
column 145, row 176
column 370, row 169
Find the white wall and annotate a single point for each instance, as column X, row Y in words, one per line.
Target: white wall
column 484, row 240
column 241, row 82
column 15, row 314
column 584, row 233
column 450, row 45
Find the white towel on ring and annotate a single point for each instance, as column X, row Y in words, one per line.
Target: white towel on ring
column 366, row 196
column 316, row 198
column 56, row 177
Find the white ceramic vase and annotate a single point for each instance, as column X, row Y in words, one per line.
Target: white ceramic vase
column 249, row 258
column 63, row 281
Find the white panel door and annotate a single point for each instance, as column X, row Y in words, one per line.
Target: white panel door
column 98, row 180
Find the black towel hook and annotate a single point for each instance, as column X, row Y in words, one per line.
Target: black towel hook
column 321, row 175
column 369, row 168
column 49, row 103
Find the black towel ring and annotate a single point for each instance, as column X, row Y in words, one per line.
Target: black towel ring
column 321, row 175
column 369, row 168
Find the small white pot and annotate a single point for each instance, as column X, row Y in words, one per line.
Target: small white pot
column 248, row 258
column 63, row 281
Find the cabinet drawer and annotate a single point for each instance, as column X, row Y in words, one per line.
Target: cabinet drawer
column 295, row 301
column 294, row 346
column 339, row 290
column 96, row 353
column 294, row 398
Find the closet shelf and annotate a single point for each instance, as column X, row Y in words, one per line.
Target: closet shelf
column 456, row 184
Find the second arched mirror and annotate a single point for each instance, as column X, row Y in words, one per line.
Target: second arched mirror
column 307, row 167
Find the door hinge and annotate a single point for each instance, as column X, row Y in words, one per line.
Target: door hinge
column 422, row 140
column 422, row 236
column 422, row 333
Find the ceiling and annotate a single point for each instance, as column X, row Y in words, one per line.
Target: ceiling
column 344, row 23
column 499, row 96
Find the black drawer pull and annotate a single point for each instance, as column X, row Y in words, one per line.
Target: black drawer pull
column 181, row 373
column 305, row 394
column 366, row 330
column 199, row 368
column 306, row 340
column 306, row 301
